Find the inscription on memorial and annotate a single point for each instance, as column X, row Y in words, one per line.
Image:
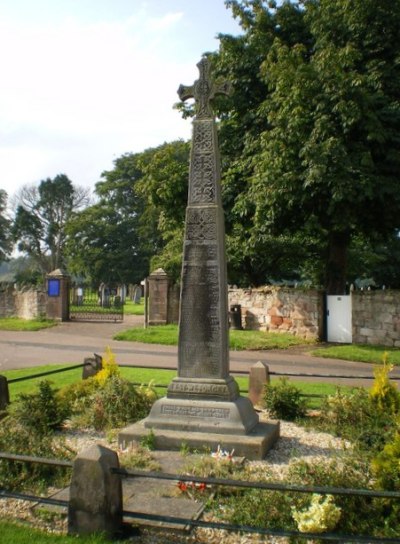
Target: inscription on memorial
column 195, row 411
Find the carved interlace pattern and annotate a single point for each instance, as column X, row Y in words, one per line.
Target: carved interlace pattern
column 201, row 224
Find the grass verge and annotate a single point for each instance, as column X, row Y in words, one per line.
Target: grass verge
column 359, row 353
column 18, row 324
column 14, row 533
column 144, row 376
column 239, row 340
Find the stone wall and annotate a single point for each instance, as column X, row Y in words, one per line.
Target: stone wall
column 279, row 309
column 376, row 317
column 27, row 304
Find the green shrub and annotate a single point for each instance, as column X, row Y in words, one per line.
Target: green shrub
column 354, row 416
column 360, row 515
column 114, row 403
column 283, row 400
column 73, row 398
column 41, row 413
column 384, row 392
column 386, row 465
column 19, row 439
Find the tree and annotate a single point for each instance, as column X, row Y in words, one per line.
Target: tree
column 164, row 187
column 138, row 218
column 322, row 163
column 5, row 242
column 42, row 213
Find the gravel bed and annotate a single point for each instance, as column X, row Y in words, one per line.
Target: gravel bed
column 295, row 443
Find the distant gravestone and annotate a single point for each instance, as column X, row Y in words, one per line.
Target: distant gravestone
column 203, row 404
column 137, row 294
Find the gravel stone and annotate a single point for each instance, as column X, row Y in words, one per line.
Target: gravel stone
column 295, row 443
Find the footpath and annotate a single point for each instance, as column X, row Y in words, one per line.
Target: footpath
column 70, row 342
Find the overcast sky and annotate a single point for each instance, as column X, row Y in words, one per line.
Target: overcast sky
column 84, row 81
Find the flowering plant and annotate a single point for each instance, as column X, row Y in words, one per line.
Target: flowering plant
column 321, row 516
column 223, row 454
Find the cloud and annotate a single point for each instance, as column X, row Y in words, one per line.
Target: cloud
column 80, row 90
column 74, row 87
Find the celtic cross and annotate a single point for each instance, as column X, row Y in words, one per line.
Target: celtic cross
column 203, row 90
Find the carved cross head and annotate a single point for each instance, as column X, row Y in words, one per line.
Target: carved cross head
column 203, row 90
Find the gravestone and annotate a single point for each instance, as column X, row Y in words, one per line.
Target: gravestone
column 204, row 398
column 137, row 294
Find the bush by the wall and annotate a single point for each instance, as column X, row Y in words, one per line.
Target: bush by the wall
column 283, row 400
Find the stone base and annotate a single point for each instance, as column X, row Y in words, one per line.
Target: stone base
column 204, row 416
column 253, row 446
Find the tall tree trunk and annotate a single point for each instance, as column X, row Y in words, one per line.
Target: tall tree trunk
column 337, row 263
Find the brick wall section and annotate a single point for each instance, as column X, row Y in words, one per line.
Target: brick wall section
column 278, row 309
column 376, row 318
column 26, row 304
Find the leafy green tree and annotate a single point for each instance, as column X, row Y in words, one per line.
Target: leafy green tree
column 317, row 159
column 331, row 156
column 105, row 243
column 41, row 215
column 164, row 187
column 262, row 256
column 5, row 242
column 138, row 218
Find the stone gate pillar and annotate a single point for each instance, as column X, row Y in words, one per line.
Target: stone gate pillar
column 57, row 290
column 158, row 287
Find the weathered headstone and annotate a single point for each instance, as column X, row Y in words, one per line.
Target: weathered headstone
column 258, row 379
column 95, row 503
column 92, row 366
column 4, row 393
column 204, row 398
column 137, row 294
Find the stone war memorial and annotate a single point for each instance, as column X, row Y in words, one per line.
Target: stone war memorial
column 203, row 407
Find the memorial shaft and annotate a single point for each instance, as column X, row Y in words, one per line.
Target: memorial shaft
column 203, row 331
column 203, row 397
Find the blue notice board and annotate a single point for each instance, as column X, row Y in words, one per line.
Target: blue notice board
column 53, row 288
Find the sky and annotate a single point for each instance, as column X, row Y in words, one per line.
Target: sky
column 85, row 81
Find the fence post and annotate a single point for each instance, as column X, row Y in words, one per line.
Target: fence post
column 95, row 503
column 91, row 366
column 258, row 378
column 4, row 393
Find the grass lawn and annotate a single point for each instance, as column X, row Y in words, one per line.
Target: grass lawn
column 130, row 308
column 13, row 533
column 142, row 376
column 18, row 324
column 239, row 340
column 361, row 353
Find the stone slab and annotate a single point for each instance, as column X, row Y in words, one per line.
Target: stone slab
column 203, row 416
column 253, row 446
column 148, row 496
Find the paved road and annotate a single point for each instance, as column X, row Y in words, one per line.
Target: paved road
column 71, row 342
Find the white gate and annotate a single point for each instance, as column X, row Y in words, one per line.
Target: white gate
column 339, row 322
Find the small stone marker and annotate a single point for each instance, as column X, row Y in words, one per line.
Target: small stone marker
column 92, row 365
column 258, row 378
column 4, row 393
column 95, row 503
